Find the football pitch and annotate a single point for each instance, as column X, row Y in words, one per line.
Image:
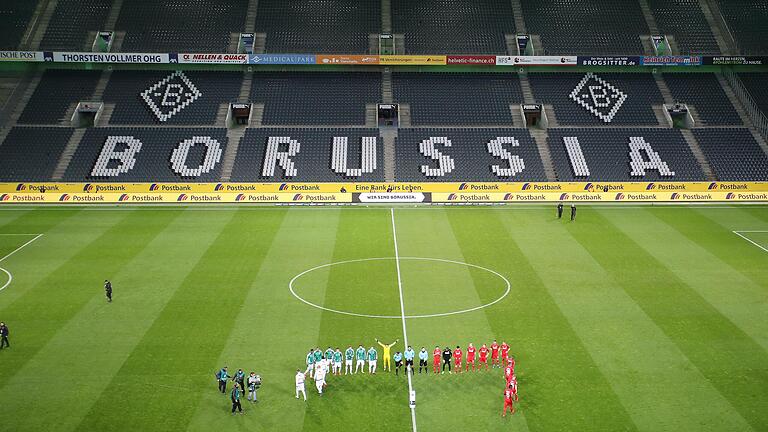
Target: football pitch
column 631, row 318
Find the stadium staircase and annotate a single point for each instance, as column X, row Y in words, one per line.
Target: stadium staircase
column 386, row 17
column 33, row 25
column 649, row 18
column 540, row 136
column 725, row 39
column 250, row 16
column 693, row 144
column 386, row 86
column 517, row 11
column 653, row 27
column 388, row 137
column 235, row 134
column 114, row 13
column 67, row 154
column 42, row 24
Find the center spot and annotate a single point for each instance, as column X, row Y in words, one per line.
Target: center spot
column 368, row 287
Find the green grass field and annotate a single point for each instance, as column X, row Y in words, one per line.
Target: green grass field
column 631, row 318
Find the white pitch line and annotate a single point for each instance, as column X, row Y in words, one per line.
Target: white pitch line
column 10, row 277
column 738, row 233
column 402, row 314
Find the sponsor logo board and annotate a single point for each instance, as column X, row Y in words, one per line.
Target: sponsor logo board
column 347, row 59
column 213, row 58
column 85, row 57
column 536, row 60
column 290, row 59
column 412, row 59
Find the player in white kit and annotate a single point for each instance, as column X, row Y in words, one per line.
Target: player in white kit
column 300, row 384
column 320, row 373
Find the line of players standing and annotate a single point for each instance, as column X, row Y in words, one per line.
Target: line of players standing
column 319, row 364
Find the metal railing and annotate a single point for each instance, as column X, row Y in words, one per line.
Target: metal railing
column 757, row 117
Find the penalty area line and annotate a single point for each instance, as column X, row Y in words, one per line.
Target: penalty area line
column 739, row 233
column 10, row 276
column 402, row 315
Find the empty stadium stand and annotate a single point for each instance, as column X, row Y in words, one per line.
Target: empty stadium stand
column 580, row 99
column 755, row 83
column 309, row 155
column 148, row 154
column 453, row 26
column 586, row 26
column 733, row 154
column 71, row 23
column 306, row 98
column 180, row 26
column 31, row 153
column 14, row 17
column 167, row 97
column 458, row 98
column 704, row 93
column 318, row 26
column 748, row 21
column 467, row 155
column 606, row 153
column 58, row 91
column 685, row 20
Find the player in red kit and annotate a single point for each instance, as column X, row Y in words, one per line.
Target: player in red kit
column 504, row 353
column 509, row 374
column 511, row 363
column 484, row 356
column 471, row 356
column 436, row 354
column 495, row 354
column 457, row 354
column 509, row 397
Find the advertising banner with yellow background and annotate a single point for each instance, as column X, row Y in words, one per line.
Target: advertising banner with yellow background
column 301, row 193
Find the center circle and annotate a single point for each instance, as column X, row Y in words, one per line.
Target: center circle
column 507, row 286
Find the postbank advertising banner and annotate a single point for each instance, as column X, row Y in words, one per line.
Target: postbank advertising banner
column 312, row 193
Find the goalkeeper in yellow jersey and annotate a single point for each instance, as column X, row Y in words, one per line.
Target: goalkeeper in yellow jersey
column 386, row 356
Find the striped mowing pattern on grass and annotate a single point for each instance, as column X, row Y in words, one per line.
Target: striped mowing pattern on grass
column 642, row 318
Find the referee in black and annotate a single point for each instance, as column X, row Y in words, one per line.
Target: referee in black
column 560, row 211
column 447, row 354
column 4, row 336
column 573, row 212
column 108, row 290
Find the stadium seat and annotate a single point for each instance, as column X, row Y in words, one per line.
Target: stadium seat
column 71, row 23
column 606, row 155
column 31, row 153
column 180, row 26
column 452, row 155
column 685, row 20
column 748, row 22
column 636, row 108
column 312, row 98
column 704, row 93
column 309, row 155
column 318, row 26
column 453, row 26
column 755, row 85
column 458, row 98
column 152, row 97
column 144, row 154
column 586, row 27
column 733, row 154
column 57, row 92
column 14, row 17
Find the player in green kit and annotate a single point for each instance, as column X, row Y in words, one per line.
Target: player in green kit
column 310, row 363
column 372, row 357
column 337, row 361
column 349, row 355
column 318, row 355
column 329, row 354
column 360, row 355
